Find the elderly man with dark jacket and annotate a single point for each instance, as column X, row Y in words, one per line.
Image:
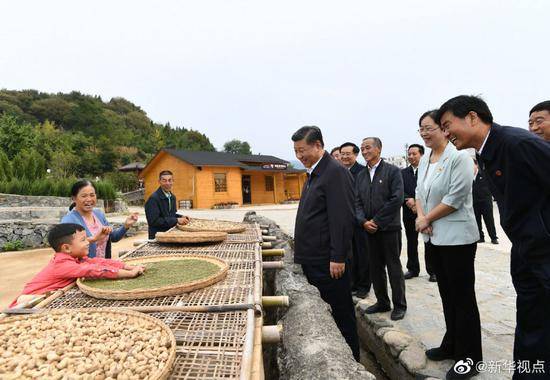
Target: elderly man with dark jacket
column 161, row 209
column 324, row 229
column 379, row 196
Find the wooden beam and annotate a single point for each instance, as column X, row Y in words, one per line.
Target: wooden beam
column 272, row 334
column 275, row 301
column 273, row 264
column 273, row 252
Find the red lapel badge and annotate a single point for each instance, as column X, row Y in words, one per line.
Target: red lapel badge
column 498, row 173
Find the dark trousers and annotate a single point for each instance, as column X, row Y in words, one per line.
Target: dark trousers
column 360, row 262
column 485, row 210
column 413, row 265
column 384, row 250
column 454, row 268
column 337, row 293
column 532, row 339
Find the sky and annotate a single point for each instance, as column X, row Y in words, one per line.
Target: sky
column 258, row 70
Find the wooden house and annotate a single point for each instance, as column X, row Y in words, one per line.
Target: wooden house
column 208, row 179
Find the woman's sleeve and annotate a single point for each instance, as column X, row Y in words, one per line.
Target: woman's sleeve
column 461, row 179
column 117, row 234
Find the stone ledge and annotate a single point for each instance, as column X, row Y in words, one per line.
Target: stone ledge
column 401, row 355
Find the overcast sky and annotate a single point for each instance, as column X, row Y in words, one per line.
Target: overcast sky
column 258, row 70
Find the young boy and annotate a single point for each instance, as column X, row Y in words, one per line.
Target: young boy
column 70, row 262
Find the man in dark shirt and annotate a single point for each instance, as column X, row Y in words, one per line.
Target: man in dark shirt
column 161, row 209
column 324, row 229
column 410, row 175
column 539, row 120
column 360, row 283
column 515, row 162
column 483, row 205
column 379, row 196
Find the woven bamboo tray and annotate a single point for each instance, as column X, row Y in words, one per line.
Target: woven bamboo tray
column 183, row 237
column 170, row 290
column 213, row 225
column 133, row 318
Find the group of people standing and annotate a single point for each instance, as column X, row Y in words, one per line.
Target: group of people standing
column 348, row 225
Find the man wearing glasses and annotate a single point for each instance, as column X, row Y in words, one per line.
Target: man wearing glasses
column 516, row 166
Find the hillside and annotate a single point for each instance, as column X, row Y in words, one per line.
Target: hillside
column 78, row 135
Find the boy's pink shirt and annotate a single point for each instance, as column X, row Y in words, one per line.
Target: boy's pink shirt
column 63, row 270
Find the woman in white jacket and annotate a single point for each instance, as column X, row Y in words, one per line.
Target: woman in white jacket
column 447, row 223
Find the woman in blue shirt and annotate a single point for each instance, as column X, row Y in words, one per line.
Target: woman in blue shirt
column 100, row 233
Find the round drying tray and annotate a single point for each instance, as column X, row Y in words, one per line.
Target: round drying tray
column 185, row 237
column 113, row 289
column 60, row 343
column 213, row 225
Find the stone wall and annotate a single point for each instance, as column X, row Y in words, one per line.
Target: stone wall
column 312, row 346
column 14, row 200
column 33, row 234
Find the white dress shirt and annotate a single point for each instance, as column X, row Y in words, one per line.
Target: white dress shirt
column 372, row 170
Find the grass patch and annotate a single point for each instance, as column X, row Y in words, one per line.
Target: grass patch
column 159, row 274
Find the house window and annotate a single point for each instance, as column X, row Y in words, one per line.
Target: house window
column 269, row 185
column 220, row 182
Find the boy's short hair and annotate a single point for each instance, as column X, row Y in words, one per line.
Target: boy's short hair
column 165, row 172
column 63, row 234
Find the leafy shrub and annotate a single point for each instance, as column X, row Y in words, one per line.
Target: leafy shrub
column 57, row 187
column 123, row 182
column 15, row 245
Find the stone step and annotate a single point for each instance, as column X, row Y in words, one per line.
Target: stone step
column 29, row 213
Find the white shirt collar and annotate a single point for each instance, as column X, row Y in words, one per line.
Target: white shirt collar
column 484, row 141
column 310, row 170
column 375, row 165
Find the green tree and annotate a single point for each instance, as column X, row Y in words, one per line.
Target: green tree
column 29, row 165
column 237, row 147
column 5, row 167
column 15, row 137
column 54, row 109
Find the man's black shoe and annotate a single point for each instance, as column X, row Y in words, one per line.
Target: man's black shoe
column 361, row 293
column 437, row 354
column 432, row 278
column 463, row 369
column 482, row 240
column 397, row 314
column 410, row 275
column 376, row 308
column 494, row 241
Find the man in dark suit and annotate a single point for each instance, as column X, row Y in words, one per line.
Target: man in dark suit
column 516, row 166
column 379, row 196
column 324, row 229
column 410, row 174
column 483, row 205
column 539, row 120
column 161, row 209
column 360, row 283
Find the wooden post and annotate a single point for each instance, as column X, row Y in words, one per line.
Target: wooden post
column 265, row 232
column 264, row 226
column 275, row 301
column 269, row 238
column 266, row 244
column 271, row 334
column 273, row 264
column 273, row 252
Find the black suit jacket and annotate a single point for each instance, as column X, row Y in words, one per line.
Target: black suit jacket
column 516, row 164
column 356, row 169
column 324, row 221
column 159, row 216
column 380, row 199
column 409, row 189
column 480, row 189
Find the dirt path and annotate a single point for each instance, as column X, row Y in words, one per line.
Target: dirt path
column 16, row 268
